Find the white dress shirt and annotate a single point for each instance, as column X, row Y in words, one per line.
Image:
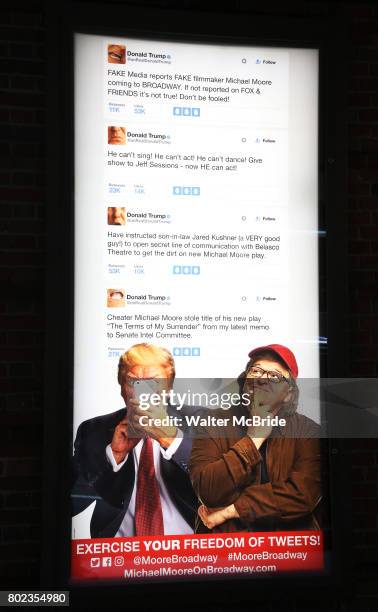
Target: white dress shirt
column 174, row 523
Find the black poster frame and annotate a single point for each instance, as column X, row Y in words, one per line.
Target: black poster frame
column 64, row 19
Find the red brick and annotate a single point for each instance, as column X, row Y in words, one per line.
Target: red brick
column 15, row 533
column 370, row 115
column 352, row 203
column 19, row 402
column 372, row 474
column 359, row 100
column 370, row 291
column 365, row 54
column 363, row 521
column 357, row 474
column 21, row 322
column 370, row 538
column 5, row 178
column 358, row 505
column 369, row 322
column 353, row 236
column 23, row 179
column 359, row 218
column 368, row 174
column 357, row 160
column 368, row 85
column 372, row 160
column 26, row 100
column 358, row 247
column 360, row 69
column 364, row 490
column 16, row 354
column 19, row 574
column 40, row 116
column 361, row 278
column 13, row 483
column 19, row 194
column 359, row 10
column 368, row 353
column 369, row 261
column 32, row 19
column 18, row 499
column 365, row 556
column 360, row 305
column 369, row 233
column 18, row 242
column 362, row 369
column 23, row 467
column 354, row 262
column 367, row 291
column 370, row 146
column 362, row 444
column 22, row 259
column 356, row 338
column 359, row 131
column 11, row 552
column 363, row 35
column 26, row 417
column 356, row 187
column 374, row 247
column 371, row 506
column 363, row 459
column 22, row 116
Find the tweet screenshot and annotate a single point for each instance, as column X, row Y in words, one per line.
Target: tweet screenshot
column 196, row 253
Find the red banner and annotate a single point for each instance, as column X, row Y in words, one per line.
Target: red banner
column 186, row 557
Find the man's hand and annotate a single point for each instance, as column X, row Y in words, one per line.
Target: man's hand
column 164, row 434
column 212, row 517
column 261, row 407
column 124, row 440
column 259, row 433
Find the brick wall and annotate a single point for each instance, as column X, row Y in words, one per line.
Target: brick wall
column 23, row 260
column 363, row 188
column 363, row 277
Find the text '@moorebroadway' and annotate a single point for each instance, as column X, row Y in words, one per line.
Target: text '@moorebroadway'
column 231, row 556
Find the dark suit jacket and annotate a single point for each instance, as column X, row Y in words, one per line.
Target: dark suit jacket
column 95, row 480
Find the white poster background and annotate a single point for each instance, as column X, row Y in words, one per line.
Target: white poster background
column 275, row 197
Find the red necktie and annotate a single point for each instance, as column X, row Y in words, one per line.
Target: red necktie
column 148, row 512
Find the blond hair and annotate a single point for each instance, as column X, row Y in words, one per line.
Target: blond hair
column 146, row 355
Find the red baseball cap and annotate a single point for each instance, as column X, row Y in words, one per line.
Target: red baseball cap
column 282, row 351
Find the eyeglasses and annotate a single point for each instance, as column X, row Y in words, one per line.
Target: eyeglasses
column 136, row 382
column 275, row 377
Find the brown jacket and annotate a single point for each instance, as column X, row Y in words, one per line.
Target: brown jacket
column 227, row 470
